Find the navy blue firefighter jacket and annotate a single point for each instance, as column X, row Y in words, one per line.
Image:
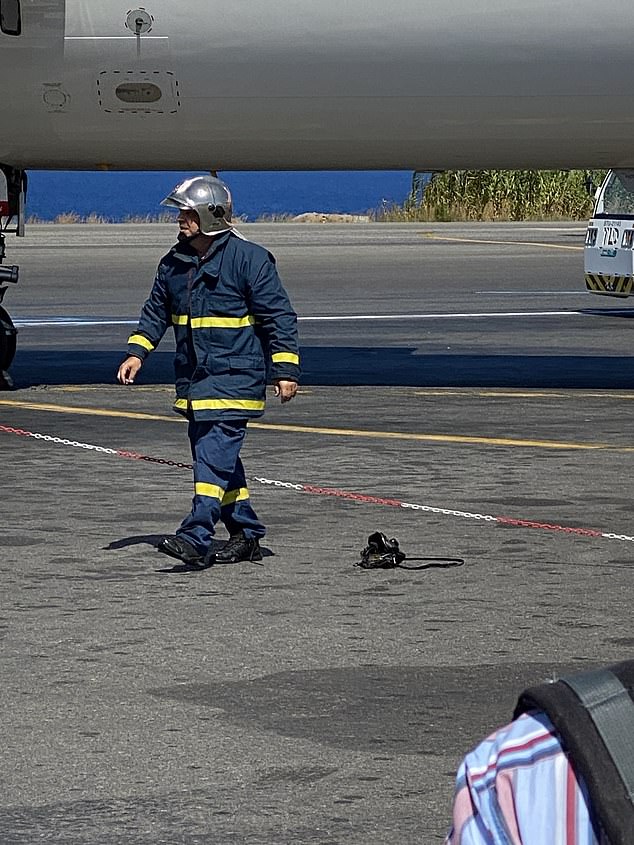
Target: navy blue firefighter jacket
column 233, row 324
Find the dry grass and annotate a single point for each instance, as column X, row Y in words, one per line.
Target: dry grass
column 67, row 217
column 276, row 217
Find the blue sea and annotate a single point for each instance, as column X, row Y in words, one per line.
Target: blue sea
column 118, row 195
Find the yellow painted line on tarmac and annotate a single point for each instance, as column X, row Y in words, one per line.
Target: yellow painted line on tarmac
column 91, row 412
column 516, row 394
column 488, row 394
column 448, row 391
column 334, row 432
column 138, row 388
column 442, row 438
column 434, row 237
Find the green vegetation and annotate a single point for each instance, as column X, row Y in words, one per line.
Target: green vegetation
column 497, row 195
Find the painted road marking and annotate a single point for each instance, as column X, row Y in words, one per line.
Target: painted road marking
column 334, row 432
column 94, row 412
column 65, row 322
column 412, row 391
column 434, row 237
column 517, row 394
column 79, row 322
column 444, row 315
column 447, row 315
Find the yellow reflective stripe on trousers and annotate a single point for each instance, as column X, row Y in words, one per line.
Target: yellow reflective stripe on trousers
column 285, row 358
column 211, row 490
column 222, row 322
column 141, row 341
column 232, row 496
column 221, row 404
column 179, row 319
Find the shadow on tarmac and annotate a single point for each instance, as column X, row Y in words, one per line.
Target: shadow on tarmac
column 140, row 539
column 402, row 709
column 402, row 366
column 176, row 568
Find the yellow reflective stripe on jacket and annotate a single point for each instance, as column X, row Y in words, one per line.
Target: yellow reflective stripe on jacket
column 285, row 358
column 232, row 496
column 211, row 490
column 222, row 322
column 219, row 404
column 141, row 341
column 213, row 322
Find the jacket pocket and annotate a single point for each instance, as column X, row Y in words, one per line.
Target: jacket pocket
column 217, row 364
column 239, row 363
column 221, row 364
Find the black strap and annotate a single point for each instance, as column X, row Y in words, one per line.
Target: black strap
column 384, row 553
column 612, row 711
column 589, row 740
column 434, row 562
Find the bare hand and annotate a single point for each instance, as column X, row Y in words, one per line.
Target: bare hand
column 285, row 389
column 129, row 369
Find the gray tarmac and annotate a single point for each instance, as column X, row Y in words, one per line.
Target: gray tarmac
column 305, row 700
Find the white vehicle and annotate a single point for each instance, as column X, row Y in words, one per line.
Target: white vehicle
column 609, row 247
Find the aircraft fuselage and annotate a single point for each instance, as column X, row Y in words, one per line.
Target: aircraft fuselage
column 302, row 85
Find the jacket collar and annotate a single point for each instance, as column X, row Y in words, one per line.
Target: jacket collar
column 186, row 252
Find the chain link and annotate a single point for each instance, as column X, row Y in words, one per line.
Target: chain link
column 165, row 462
column 327, row 491
column 449, row 512
column 287, row 484
column 63, row 442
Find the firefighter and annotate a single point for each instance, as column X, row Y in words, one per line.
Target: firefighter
column 233, row 323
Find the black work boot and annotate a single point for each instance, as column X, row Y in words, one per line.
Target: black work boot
column 237, row 548
column 179, row 548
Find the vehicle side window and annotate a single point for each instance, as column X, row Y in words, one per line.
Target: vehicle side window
column 10, row 17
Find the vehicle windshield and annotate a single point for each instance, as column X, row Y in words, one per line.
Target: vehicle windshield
column 617, row 195
column 10, row 19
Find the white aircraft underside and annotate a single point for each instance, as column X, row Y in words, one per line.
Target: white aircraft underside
column 318, row 84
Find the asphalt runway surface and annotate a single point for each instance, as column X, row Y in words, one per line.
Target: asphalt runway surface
column 459, row 368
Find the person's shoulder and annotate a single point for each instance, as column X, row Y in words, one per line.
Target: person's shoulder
column 168, row 257
column 249, row 249
column 177, row 252
column 523, row 742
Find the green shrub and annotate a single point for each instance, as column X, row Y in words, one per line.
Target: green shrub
column 497, row 195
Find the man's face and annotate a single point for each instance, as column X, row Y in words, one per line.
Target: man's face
column 188, row 223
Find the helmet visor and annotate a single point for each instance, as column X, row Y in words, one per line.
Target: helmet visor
column 177, row 202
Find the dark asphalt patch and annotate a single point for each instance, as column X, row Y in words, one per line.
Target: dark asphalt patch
column 433, row 710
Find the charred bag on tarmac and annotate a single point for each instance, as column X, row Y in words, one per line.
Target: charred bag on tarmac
column 381, row 553
column 384, row 553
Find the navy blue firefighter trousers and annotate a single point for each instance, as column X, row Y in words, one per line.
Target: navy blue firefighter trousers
column 220, row 488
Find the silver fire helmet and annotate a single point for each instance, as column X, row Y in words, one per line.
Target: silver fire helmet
column 207, row 196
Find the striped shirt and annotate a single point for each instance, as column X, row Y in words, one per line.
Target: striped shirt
column 518, row 788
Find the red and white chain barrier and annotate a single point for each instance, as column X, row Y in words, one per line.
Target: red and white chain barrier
column 340, row 494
